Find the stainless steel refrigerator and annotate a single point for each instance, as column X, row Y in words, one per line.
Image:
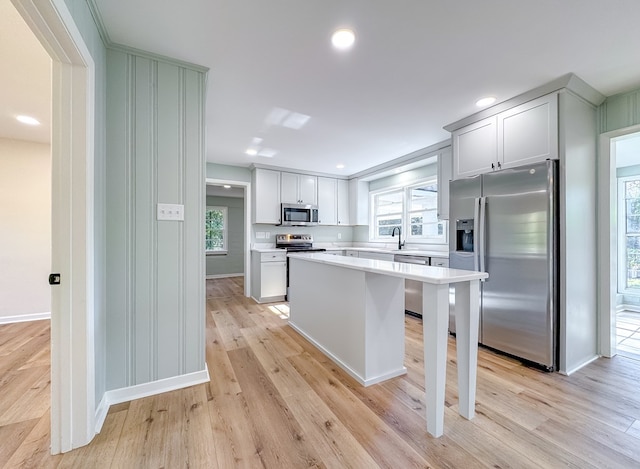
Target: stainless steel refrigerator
column 506, row 223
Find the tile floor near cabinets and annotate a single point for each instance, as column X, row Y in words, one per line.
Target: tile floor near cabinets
column 628, row 332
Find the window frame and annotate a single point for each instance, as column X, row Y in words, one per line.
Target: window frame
column 225, row 231
column 405, row 214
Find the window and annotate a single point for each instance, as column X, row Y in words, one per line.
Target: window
column 423, row 211
column 413, row 209
column 629, row 234
column 387, row 208
column 216, row 230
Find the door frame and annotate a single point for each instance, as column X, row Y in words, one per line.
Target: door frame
column 608, row 240
column 72, row 247
column 247, row 226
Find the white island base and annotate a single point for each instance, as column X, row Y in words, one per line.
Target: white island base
column 351, row 316
column 353, row 311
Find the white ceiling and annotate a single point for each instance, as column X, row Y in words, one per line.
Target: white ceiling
column 25, row 79
column 416, row 66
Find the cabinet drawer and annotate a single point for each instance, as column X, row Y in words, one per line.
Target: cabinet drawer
column 439, row 262
column 273, row 256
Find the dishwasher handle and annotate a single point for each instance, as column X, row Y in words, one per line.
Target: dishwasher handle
column 411, row 259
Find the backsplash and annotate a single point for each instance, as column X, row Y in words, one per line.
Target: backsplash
column 321, row 234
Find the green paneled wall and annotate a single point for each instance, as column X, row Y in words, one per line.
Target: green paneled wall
column 620, row 111
column 233, row 261
column 155, row 269
column 229, row 173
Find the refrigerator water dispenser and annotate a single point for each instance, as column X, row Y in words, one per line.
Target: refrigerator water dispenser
column 464, row 235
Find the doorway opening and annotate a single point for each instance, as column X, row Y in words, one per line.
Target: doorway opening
column 228, row 254
column 626, row 150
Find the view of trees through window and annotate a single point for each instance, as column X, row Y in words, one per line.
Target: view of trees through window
column 215, row 228
column 632, row 231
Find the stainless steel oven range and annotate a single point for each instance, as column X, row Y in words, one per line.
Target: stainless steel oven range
column 295, row 243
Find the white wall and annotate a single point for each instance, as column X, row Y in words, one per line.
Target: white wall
column 25, row 229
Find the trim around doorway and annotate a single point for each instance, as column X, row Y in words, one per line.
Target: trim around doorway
column 608, row 241
column 73, row 409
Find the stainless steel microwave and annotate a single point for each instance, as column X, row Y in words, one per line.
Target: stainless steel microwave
column 298, row 215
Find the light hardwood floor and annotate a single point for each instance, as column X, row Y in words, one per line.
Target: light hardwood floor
column 274, row 401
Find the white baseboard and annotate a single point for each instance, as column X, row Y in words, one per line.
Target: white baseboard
column 581, row 365
column 632, row 308
column 117, row 396
column 24, row 318
column 211, row 277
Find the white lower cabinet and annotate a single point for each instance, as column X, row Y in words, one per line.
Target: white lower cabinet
column 269, row 276
column 350, row 253
column 440, row 261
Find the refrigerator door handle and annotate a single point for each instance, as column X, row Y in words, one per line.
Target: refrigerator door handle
column 482, row 233
column 476, row 231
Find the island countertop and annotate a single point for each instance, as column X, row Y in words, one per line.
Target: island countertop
column 421, row 273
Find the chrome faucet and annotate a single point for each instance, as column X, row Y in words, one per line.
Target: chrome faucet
column 393, row 233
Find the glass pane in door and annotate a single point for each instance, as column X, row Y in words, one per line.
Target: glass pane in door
column 632, row 233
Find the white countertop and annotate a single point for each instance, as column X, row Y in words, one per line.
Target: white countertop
column 273, row 249
column 406, row 252
column 421, row 273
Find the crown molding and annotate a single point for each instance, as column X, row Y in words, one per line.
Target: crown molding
column 157, row 57
column 109, row 44
column 569, row 82
column 97, row 19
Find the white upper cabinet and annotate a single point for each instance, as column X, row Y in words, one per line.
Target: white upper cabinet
column 343, row 202
column 529, row 133
column 327, row 201
column 444, row 176
column 266, row 196
column 475, row 148
column 525, row 134
column 298, row 189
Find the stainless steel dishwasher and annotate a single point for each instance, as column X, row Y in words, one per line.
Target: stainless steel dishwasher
column 412, row 288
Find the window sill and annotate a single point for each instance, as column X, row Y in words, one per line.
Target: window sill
column 216, row 253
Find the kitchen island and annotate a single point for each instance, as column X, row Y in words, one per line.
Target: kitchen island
column 352, row 309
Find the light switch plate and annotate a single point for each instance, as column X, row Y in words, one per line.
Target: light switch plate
column 171, row 212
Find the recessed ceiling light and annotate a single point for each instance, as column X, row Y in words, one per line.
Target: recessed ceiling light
column 28, row 120
column 343, row 38
column 340, row 166
column 482, row 102
column 251, row 152
column 227, row 186
column 267, row 152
